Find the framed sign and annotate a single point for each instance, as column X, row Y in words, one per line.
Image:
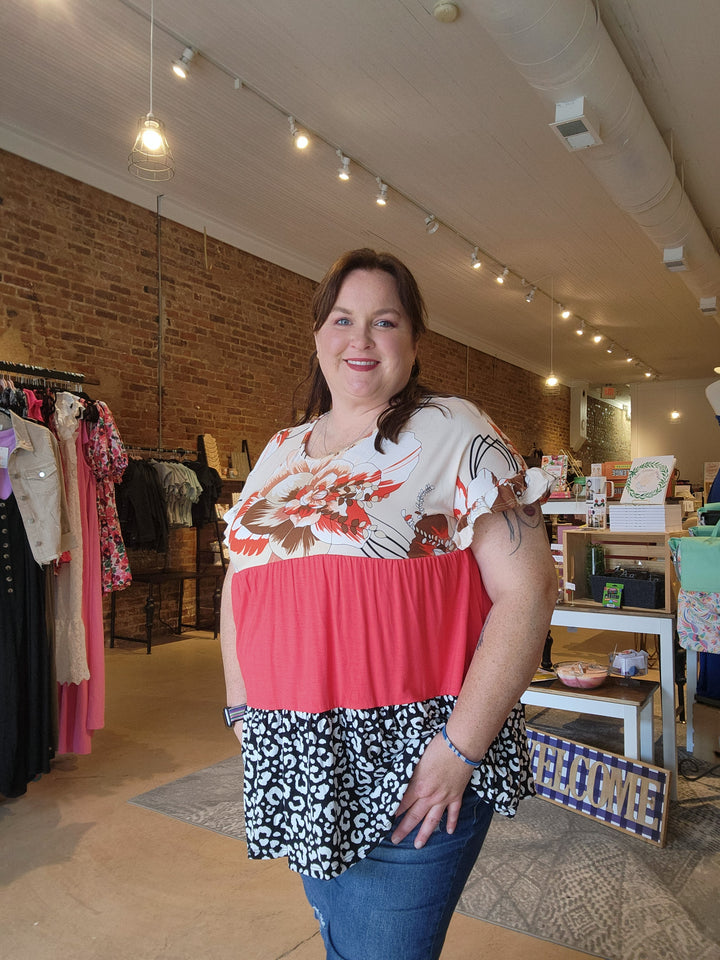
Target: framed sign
column 625, row 794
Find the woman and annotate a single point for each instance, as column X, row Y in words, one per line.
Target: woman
column 383, row 658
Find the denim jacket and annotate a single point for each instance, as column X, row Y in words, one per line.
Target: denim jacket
column 36, row 479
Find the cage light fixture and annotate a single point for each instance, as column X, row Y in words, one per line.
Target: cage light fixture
column 552, row 380
column 381, row 198
column 475, row 261
column 344, row 168
column 181, row 66
column 431, row 223
column 501, row 276
column 300, row 139
column 151, row 157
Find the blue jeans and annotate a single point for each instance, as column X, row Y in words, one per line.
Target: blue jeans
column 397, row 903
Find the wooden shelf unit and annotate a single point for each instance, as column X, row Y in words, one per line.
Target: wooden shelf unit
column 207, row 559
column 622, row 549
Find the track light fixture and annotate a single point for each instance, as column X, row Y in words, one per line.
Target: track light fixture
column 564, row 312
column 501, row 276
column 648, row 373
column 629, row 359
column 381, row 198
column 344, row 170
column 609, row 348
column 181, row 66
column 431, row 223
column 475, row 261
column 530, row 295
column 300, row 139
column 580, row 329
column 597, row 338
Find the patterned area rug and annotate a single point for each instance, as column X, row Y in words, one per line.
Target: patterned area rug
column 555, row 874
column 210, row 798
column 552, row 873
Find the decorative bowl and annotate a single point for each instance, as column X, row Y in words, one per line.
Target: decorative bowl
column 584, row 674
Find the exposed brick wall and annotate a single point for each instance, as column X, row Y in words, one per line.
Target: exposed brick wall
column 79, row 281
column 608, row 434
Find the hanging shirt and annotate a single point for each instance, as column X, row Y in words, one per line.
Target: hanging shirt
column 354, row 646
column 34, row 471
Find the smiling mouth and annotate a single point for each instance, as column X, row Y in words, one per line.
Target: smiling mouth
column 362, row 364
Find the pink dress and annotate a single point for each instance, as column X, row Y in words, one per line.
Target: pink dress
column 81, row 706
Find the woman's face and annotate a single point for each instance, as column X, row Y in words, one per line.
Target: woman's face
column 366, row 347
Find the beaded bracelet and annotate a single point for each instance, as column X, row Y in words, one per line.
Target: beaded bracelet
column 448, row 741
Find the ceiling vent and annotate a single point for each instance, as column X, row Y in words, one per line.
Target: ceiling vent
column 576, row 124
column 674, row 259
column 708, row 306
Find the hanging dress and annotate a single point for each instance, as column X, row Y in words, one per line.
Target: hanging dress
column 81, row 706
column 108, row 460
column 70, row 645
column 26, row 722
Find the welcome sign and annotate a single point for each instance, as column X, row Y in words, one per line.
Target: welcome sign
column 625, row 794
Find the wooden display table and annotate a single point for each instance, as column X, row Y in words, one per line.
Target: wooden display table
column 157, row 579
column 625, row 698
column 650, row 621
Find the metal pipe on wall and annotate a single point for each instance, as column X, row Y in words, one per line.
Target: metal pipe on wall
column 564, row 52
column 161, row 324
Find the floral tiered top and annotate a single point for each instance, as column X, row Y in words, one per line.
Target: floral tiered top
column 354, row 648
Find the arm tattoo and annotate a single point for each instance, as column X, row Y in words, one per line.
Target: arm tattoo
column 482, row 632
column 527, row 516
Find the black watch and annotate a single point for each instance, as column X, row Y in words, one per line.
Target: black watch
column 233, row 714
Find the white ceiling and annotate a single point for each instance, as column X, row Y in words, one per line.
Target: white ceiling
column 435, row 109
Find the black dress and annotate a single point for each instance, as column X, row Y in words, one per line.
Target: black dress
column 26, row 725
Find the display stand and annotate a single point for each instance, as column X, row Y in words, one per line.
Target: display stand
column 656, row 622
column 629, row 700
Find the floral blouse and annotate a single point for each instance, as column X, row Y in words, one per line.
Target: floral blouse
column 353, row 649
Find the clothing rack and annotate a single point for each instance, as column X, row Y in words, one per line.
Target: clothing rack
column 45, row 373
column 160, row 451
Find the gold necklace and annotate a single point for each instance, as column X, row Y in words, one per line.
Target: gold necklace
column 334, row 453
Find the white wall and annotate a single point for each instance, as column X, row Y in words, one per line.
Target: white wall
column 693, row 439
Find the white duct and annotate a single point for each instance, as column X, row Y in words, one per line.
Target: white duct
column 564, row 52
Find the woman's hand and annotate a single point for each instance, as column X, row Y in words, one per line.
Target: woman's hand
column 437, row 785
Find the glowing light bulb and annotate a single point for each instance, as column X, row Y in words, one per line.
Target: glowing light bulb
column 552, row 380
column 151, row 139
column 675, row 415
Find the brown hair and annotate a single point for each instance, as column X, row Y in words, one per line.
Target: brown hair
column 414, row 394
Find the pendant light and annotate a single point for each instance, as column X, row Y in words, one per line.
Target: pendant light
column 151, row 158
column 552, row 380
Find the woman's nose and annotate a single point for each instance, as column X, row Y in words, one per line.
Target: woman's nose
column 362, row 336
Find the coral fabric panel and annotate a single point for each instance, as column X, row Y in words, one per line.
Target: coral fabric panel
column 321, row 639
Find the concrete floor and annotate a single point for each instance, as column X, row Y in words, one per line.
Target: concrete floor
column 85, row 875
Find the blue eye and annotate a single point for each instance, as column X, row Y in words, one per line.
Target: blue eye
column 385, row 323
column 342, row 321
